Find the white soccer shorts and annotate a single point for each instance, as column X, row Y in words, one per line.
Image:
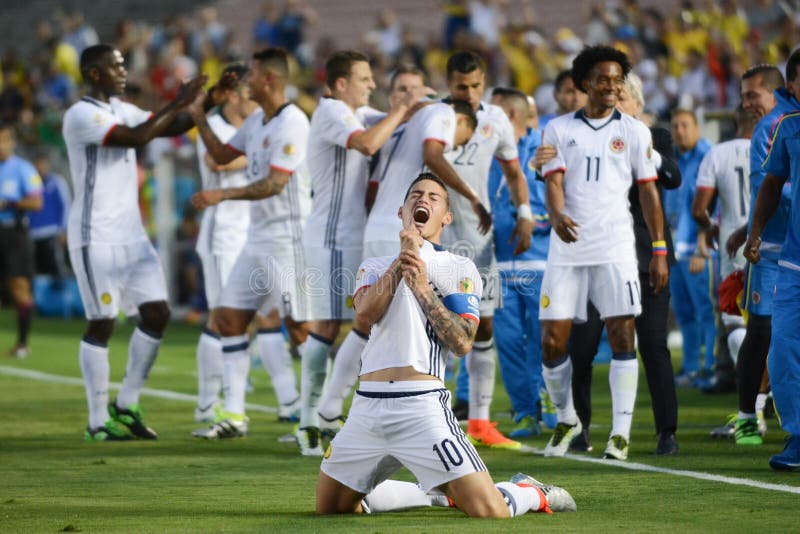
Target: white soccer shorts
column 398, row 424
column 613, row 288
column 216, row 273
column 331, row 279
column 264, row 283
column 117, row 277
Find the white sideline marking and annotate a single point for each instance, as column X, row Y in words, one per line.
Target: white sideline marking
column 159, row 393
column 633, row 466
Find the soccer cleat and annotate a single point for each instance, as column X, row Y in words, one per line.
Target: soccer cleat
column 616, row 448
column 133, row 418
column 328, row 428
column 789, row 459
column 208, row 414
column 484, row 433
column 685, row 379
column 746, row 432
column 309, row 440
column 20, row 352
column 561, row 438
column 549, row 415
column 761, row 413
column 667, row 444
column 527, row 427
column 727, row 431
column 110, row 431
column 762, row 423
column 581, row 443
column 558, row 499
column 229, row 425
column 289, row 413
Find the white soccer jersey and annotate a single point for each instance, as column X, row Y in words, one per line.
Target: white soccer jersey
column 339, row 177
column 403, row 336
column 279, row 143
column 223, row 229
column 725, row 169
column 493, row 138
column 105, row 207
column 401, row 162
column 599, row 158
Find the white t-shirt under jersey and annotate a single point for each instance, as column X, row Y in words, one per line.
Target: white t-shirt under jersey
column 105, row 206
column 403, row 336
column 223, row 229
column 599, row 158
column 339, row 177
column 401, row 162
column 280, row 143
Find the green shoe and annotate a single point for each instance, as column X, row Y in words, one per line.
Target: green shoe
column 110, row 431
column 527, row 427
column 132, row 418
column 747, row 433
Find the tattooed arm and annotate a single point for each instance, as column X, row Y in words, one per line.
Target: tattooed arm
column 269, row 186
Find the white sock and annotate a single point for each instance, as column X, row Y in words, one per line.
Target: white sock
column 142, row 352
column 278, row 363
column 314, row 358
column 95, row 370
column 343, row 377
column 392, row 495
column 743, row 415
column 521, row 499
column 209, row 369
column 623, row 377
column 235, row 366
column 481, row 368
column 761, row 402
column 735, row 339
column 558, row 381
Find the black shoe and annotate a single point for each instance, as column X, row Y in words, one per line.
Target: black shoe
column 667, row 444
column 581, row 442
column 461, row 409
column 132, row 418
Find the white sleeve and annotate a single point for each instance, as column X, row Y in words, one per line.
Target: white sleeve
column 289, row 146
column 550, row 137
column 507, row 147
column 707, row 174
column 369, row 272
column 339, row 123
column 134, row 115
column 440, row 125
column 239, row 140
column 88, row 124
column 644, row 169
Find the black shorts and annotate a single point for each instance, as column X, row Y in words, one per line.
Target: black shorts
column 16, row 253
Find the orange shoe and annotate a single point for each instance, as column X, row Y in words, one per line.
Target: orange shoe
column 484, row 433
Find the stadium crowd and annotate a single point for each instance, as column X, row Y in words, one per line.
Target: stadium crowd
column 709, row 217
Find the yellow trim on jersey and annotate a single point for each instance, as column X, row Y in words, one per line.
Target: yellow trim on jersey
column 775, row 133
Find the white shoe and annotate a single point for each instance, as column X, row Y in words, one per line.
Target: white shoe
column 558, row 499
column 561, row 438
column 309, row 440
column 226, row 428
column 208, row 414
column 616, row 449
column 289, row 413
column 330, row 427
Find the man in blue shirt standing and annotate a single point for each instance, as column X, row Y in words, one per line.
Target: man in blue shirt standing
column 782, row 164
column 20, row 192
column 48, row 226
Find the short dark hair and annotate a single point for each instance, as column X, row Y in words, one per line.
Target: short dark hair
column 771, row 77
column 340, row 64
column 561, row 78
column 590, row 56
column 683, row 111
column 232, row 76
column 465, row 62
column 463, row 107
column 433, row 178
column 93, row 56
column 792, row 66
column 274, row 59
column 405, row 69
column 743, row 120
column 513, row 96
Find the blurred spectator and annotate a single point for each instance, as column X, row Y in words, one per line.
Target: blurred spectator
column 291, row 24
column 485, row 20
column 48, row 227
column 77, row 32
column 265, row 31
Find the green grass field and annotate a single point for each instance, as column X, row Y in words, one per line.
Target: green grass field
column 51, row 480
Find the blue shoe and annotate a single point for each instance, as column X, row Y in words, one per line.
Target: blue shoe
column 549, row 415
column 789, row 459
column 527, row 427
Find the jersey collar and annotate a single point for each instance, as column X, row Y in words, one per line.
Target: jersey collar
column 615, row 116
column 435, row 246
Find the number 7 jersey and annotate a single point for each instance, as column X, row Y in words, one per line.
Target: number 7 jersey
column 600, row 158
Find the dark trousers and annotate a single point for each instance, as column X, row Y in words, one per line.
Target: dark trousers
column 651, row 330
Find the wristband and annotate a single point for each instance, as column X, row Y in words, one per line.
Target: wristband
column 660, row 248
column 524, row 212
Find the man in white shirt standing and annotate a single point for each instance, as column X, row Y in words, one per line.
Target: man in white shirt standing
column 115, row 264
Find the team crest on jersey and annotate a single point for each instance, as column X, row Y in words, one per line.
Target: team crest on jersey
column 349, row 302
column 105, row 298
column 756, row 297
column 650, row 151
column 545, row 301
column 446, row 122
column 617, row 145
column 328, row 452
column 486, row 130
column 99, row 119
column 288, row 149
column 466, row 285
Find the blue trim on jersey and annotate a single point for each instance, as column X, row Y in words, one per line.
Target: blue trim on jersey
column 458, row 434
column 783, row 161
column 88, row 193
column 615, row 116
column 87, row 267
column 236, row 348
column 339, row 170
column 463, row 303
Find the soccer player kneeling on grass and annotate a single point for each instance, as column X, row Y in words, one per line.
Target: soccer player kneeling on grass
column 420, row 305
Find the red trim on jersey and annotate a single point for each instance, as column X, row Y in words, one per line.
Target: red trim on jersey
column 359, row 290
column 349, row 137
column 560, row 169
column 470, row 317
column 444, row 143
column 644, row 180
column 707, row 187
column 234, row 150
column 287, row 171
column 506, row 160
column 105, row 137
